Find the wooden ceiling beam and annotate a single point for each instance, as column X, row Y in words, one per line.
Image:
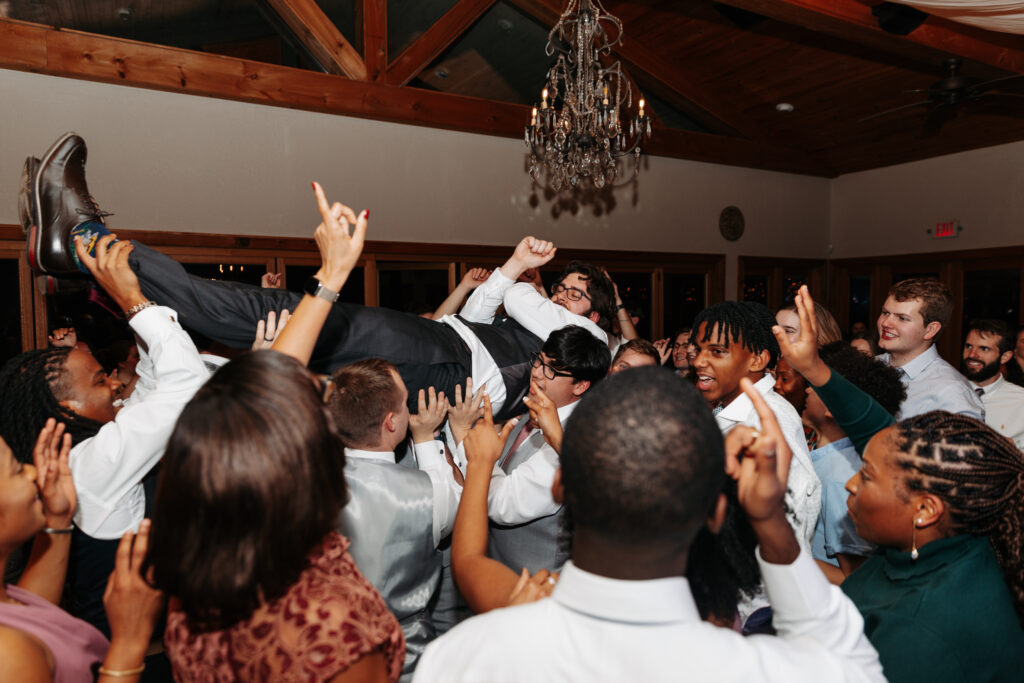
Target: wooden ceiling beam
column 321, row 37
column 375, row 38
column 435, row 40
column 42, row 49
column 852, row 20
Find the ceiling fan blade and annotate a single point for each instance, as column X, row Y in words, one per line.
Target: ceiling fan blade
column 1002, row 94
column 985, row 85
column 893, row 111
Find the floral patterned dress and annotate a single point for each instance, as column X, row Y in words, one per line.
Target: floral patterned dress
column 330, row 618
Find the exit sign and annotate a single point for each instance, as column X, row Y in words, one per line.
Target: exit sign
column 946, row 229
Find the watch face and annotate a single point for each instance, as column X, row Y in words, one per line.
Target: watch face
column 312, row 285
column 731, row 223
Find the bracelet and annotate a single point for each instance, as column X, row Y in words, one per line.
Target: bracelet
column 50, row 530
column 134, row 310
column 119, row 673
column 620, row 307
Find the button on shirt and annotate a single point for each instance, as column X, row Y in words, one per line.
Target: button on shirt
column 1004, row 409
column 934, row 384
column 594, row 628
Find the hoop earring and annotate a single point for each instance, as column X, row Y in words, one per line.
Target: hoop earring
column 913, row 541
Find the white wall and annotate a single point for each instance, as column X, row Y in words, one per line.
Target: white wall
column 166, row 161
column 888, row 210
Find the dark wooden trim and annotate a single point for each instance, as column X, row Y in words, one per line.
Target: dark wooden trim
column 435, row 40
column 321, row 37
column 929, row 44
column 375, row 38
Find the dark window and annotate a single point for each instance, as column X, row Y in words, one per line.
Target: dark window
column 248, row 273
column 755, row 288
column 635, row 292
column 10, row 310
column 412, row 289
column 860, row 300
column 685, row 297
column 354, row 291
column 992, row 294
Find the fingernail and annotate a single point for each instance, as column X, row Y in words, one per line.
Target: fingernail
column 366, row 214
column 313, row 185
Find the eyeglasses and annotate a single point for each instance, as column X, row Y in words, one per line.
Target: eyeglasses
column 549, row 372
column 571, row 293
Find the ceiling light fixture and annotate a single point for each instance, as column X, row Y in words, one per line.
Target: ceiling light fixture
column 784, row 107
column 577, row 131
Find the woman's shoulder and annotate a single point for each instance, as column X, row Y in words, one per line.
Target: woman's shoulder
column 23, row 657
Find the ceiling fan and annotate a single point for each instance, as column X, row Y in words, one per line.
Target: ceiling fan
column 948, row 96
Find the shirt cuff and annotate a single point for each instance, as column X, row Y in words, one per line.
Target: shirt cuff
column 149, row 322
column 430, row 455
column 798, row 590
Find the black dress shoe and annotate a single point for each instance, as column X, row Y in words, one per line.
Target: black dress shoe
column 59, row 200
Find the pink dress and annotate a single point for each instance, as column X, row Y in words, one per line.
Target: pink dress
column 75, row 645
column 330, row 618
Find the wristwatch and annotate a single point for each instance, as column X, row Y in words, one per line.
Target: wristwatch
column 316, row 288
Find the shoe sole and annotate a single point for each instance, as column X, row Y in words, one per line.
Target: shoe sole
column 34, row 239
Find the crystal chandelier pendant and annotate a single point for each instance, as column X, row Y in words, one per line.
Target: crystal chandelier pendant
column 577, row 131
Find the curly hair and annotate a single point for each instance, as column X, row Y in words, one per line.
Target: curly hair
column 599, row 289
column 34, row 384
column 936, row 299
column 979, row 474
column 876, row 379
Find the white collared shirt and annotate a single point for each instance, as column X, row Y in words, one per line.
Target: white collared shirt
column 431, row 460
column 524, row 494
column 1004, row 409
column 803, row 493
column 934, row 384
column 108, row 468
column 594, row 628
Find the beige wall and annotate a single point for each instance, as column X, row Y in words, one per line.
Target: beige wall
column 888, row 210
column 166, row 161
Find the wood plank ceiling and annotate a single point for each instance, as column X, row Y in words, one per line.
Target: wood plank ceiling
column 713, row 75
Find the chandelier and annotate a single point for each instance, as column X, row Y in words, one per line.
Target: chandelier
column 577, row 131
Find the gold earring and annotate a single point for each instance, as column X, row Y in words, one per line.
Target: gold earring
column 913, row 541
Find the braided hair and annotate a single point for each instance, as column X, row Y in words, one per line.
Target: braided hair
column 33, row 386
column 979, row 474
column 745, row 322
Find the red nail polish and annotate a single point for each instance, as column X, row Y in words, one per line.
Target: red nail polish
column 313, row 185
column 367, row 214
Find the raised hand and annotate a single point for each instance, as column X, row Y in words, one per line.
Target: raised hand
column 271, row 281
column 339, row 251
column 267, row 332
column 664, row 349
column 429, row 416
column 111, row 270
column 474, row 277
column 463, row 414
column 532, row 588
column 802, row 354
column 529, row 253
column 484, row 443
column 545, row 415
column 132, row 605
column 63, row 336
column 53, row 475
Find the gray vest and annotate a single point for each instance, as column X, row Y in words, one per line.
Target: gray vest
column 534, row 544
column 390, row 520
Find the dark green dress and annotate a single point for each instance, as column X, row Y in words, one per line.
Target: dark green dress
column 948, row 616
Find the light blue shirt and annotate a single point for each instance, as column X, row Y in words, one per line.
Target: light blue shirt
column 835, row 532
column 934, row 384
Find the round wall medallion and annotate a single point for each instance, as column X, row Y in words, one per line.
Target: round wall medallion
column 731, row 223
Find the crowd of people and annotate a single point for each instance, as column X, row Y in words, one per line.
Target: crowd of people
column 515, row 487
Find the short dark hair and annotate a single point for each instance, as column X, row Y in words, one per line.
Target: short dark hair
column 640, row 346
column 744, row 322
column 599, row 289
column 877, row 379
column 1007, row 340
column 936, row 299
column 642, row 458
column 574, row 350
column 364, row 393
column 252, row 480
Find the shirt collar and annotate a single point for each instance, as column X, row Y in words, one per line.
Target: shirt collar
column 991, row 388
column 386, row 456
column 915, row 367
column 655, row 601
column 900, row 565
column 740, row 407
column 835, row 446
column 565, row 411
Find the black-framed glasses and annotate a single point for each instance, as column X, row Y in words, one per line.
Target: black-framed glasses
column 536, row 361
column 571, row 293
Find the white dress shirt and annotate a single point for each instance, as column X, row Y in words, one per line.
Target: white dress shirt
column 1004, row 409
column 525, row 493
column 803, row 493
column 108, row 468
column 431, row 460
column 934, row 384
column 593, row 628
column 525, row 305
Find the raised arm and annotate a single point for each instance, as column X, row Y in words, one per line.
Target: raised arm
column 529, row 254
column 430, row 458
column 339, row 252
column 485, row 583
column 621, row 314
column 473, row 278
